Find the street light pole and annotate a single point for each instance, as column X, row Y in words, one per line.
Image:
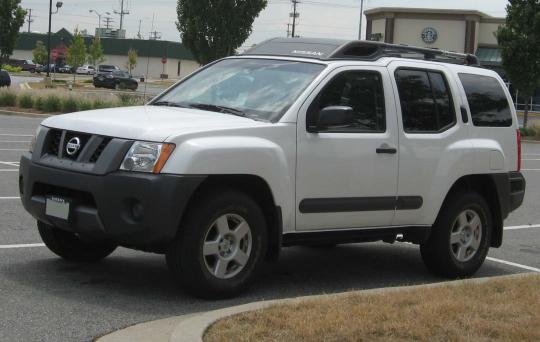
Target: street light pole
column 361, row 19
column 49, row 41
column 99, row 17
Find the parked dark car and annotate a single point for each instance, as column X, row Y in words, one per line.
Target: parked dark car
column 65, row 69
column 44, row 68
column 115, row 80
column 107, row 68
column 5, row 79
column 24, row 64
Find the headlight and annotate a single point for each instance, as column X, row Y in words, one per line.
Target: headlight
column 147, row 157
column 34, row 139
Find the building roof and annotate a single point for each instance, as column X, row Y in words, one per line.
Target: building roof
column 437, row 11
column 111, row 46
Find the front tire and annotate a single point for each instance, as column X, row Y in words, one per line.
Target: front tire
column 70, row 247
column 460, row 239
column 222, row 243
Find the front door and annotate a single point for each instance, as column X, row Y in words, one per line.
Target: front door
column 347, row 171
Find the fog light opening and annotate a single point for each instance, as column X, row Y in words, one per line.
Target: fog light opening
column 137, row 211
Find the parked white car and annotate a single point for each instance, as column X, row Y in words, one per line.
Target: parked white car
column 86, row 70
column 295, row 142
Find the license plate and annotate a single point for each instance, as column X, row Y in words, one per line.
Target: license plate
column 57, row 207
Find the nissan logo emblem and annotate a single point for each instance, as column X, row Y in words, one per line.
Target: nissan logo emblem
column 73, row 146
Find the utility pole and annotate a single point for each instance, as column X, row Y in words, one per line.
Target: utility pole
column 155, row 35
column 121, row 13
column 288, row 30
column 139, row 36
column 294, row 15
column 108, row 21
column 30, row 20
column 361, row 19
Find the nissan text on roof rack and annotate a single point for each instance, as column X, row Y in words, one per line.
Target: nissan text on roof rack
column 295, row 142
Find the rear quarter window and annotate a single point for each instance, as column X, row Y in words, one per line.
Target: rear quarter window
column 487, row 101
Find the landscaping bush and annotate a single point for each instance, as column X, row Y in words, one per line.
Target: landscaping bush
column 39, row 104
column 26, row 101
column 10, row 68
column 8, row 99
column 52, row 104
column 84, row 105
column 69, row 105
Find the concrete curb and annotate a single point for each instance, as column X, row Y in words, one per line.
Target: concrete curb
column 24, row 114
column 194, row 328
column 530, row 141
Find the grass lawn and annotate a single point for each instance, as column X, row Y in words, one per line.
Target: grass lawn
column 497, row 310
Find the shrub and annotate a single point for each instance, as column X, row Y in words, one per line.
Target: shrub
column 10, row 68
column 52, row 104
column 522, row 131
column 84, row 105
column 530, row 131
column 39, row 104
column 69, row 105
column 8, row 99
column 26, row 101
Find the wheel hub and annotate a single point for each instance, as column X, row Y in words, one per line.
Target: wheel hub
column 226, row 246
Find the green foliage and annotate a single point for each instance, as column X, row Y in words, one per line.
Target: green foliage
column 95, row 52
column 69, row 105
column 215, row 29
column 11, row 19
column 10, row 68
column 76, row 53
column 26, row 101
column 520, row 43
column 132, row 60
column 39, row 104
column 84, row 105
column 40, row 53
column 8, row 99
column 52, row 104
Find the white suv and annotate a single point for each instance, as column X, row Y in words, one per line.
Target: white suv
column 295, row 142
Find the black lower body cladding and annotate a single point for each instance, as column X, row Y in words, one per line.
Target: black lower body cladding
column 129, row 208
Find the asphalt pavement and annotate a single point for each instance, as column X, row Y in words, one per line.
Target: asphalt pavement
column 43, row 298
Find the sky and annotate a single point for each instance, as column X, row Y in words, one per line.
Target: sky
column 318, row 18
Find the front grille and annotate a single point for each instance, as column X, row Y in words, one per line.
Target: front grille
column 56, row 144
column 100, row 149
column 53, row 142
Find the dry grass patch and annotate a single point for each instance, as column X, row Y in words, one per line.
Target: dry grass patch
column 500, row 310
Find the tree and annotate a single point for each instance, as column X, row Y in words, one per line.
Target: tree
column 132, row 60
column 520, row 43
column 40, row 53
column 76, row 53
column 11, row 19
column 95, row 52
column 214, row 29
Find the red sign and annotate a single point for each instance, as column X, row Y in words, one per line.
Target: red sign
column 164, row 60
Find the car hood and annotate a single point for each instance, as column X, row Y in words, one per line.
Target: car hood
column 149, row 123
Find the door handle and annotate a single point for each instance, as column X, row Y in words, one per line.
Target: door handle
column 386, row 149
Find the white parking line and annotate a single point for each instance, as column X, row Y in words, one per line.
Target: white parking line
column 525, row 267
column 27, row 245
column 27, row 142
column 10, row 163
column 14, row 149
column 521, row 159
column 10, row 198
column 9, row 170
column 527, row 226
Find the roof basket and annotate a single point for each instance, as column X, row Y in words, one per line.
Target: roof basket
column 367, row 50
column 332, row 49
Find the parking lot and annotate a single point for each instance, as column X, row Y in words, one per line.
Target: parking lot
column 43, row 298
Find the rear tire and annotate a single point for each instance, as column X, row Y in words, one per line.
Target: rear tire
column 70, row 247
column 460, row 239
column 221, row 244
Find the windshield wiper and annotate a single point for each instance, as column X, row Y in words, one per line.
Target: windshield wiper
column 168, row 104
column 216, row 108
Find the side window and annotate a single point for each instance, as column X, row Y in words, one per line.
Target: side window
column 360, row 90
column 487, row 101
column 426, row 101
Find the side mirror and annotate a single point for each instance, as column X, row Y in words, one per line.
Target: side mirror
column 334, row 116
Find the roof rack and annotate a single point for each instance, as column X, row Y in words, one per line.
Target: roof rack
column 329, row 49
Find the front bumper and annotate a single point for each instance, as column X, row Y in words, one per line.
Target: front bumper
column 132, row 209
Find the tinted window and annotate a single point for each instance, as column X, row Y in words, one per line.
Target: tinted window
column 426, row 102
column 360, row 90
column 487, row 101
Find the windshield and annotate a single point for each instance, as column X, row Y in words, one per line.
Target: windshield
column 260, row 89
